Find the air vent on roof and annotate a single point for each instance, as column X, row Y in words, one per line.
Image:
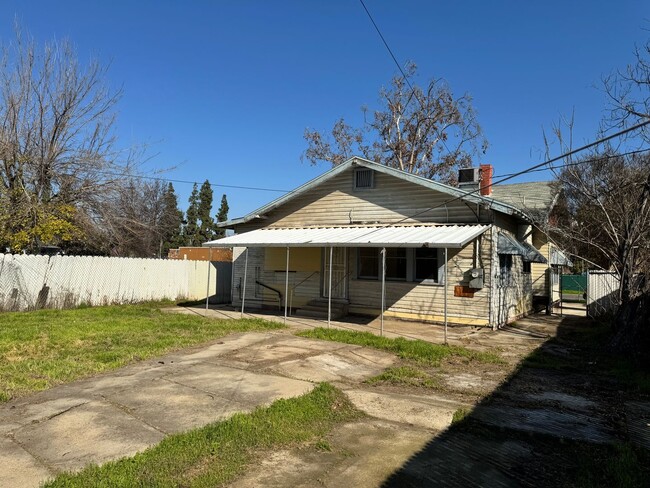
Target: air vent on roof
column 468, row 175
column 363, row 178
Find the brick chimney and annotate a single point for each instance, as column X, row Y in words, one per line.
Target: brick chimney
column 486, row 172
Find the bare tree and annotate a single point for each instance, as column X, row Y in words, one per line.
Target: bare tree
column 629, row 92
column 56, row 143
column 424, row 131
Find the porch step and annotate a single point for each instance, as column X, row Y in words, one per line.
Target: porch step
column 318, row 309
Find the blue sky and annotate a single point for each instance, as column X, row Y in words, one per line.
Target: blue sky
column 223, row 90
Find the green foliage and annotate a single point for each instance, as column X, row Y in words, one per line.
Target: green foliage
column 206, row 228
column 171, row 221
column 460, row 414
column 44, row 348
column 222, row 216
column 417, row 350
column 27, row 226
column 405, row 375
column 192, row 218
column 214, row 455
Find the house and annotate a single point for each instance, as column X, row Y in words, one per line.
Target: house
column 368, row 239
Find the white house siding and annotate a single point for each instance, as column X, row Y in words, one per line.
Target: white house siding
column 412, row 300
column 335, row 202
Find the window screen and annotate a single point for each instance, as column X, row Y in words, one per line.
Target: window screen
column 426, row 264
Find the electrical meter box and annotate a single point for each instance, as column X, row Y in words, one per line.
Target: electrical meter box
column 476, row 278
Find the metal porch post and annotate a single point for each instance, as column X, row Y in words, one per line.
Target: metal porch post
column 286, row 288
column 207, row 291
column 329, row 295
column 243, row 296
column 445, row 289
column 383, row 287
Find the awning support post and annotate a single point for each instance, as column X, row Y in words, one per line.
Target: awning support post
column 329, row 294
column 207, row 291
column 243, row 296
column 383, row 287
column 445, row 291
column 286, row 288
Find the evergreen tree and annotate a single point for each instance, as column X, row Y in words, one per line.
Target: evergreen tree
column 171, row 221
column 222, row 216
column 205, row 231
column 191, row 228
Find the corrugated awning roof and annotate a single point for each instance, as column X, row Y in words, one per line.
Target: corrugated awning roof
column 438, row 236
column 558, row 258
column 507, row 244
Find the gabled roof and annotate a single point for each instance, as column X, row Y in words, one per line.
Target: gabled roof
column 454, row 193
column 535, row 197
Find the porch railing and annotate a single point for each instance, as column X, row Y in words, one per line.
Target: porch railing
column 264, row 285
column 293, row 288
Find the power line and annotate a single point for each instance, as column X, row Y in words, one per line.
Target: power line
column 514, row 175
column 170, row 180
column 578, row 163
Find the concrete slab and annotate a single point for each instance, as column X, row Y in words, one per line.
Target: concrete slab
column 430, row 411
column 95, row 432
column 363, row 454
column 245, row 387
column 563, row 424
column 172, row 408
column 225, row 346
column 330, row 367
column 18, row 467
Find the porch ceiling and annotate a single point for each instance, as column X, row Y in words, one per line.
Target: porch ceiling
column 436, row 236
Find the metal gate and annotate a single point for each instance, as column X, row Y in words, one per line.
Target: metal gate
column 593, row 294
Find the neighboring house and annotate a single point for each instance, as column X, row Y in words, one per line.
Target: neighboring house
column 338, row 224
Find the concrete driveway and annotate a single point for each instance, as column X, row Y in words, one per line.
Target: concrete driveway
column 118, row 414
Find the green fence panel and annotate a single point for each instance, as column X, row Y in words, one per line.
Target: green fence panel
column 577, row 282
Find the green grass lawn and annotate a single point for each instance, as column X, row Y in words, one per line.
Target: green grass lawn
column 44, row 348
column 416, row 350
column 215, row 454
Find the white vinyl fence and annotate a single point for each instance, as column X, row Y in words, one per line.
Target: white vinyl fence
column 29, row 282
column 602, row 293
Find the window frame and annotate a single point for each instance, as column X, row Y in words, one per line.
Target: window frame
column 411, row 262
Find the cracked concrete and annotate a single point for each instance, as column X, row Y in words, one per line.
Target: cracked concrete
column 121, row 413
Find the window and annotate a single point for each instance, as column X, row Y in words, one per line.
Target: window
column 505, row 268
column 368, row 263
column 526, row 268
column 396, row 264
column 402, row 264
column 426, row 264
column 363, row 178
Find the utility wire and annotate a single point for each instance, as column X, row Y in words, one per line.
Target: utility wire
column 170, row 180
column 578, row 163
column 513, row 175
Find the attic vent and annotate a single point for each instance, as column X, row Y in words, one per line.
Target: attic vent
column 363, row 178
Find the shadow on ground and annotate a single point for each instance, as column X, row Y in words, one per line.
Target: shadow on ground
column 569, row 415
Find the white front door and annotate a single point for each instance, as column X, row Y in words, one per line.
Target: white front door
column 339, row 272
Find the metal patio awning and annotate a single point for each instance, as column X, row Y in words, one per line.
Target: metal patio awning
column 506, row 244
column 435, row 236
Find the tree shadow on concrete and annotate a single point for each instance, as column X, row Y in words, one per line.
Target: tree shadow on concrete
column 562, row 418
